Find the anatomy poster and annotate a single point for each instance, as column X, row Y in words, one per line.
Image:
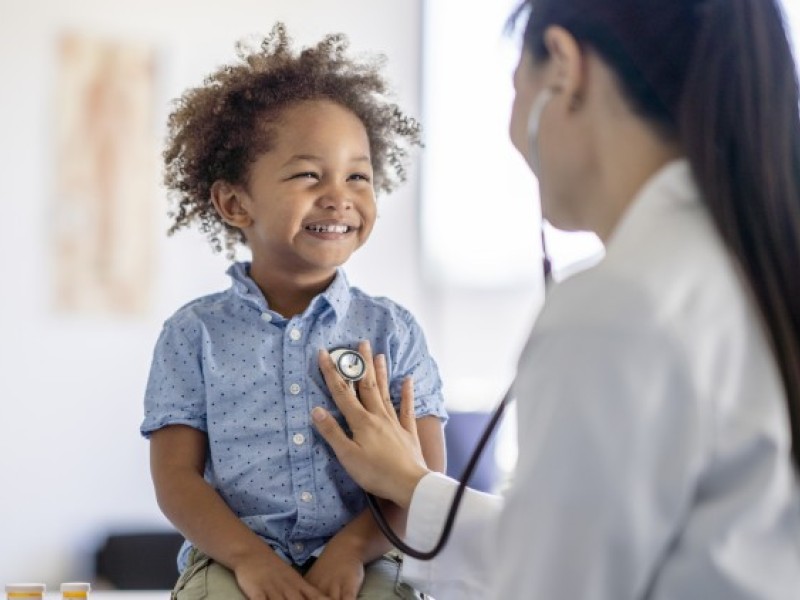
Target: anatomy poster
column 103, row 218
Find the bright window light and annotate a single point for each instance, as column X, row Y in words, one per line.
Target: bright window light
column 480, row 207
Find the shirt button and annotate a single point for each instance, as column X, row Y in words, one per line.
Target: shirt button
column 306, row 496
column 298, row 438
column 299, row 546
column 295, row 335
column 266, row 317
column 294, row 389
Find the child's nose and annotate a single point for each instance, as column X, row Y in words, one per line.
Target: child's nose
column 336, row 196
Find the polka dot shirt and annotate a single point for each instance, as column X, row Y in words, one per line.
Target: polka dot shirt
column 227, row 365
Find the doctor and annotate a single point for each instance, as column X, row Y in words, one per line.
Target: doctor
column 659, row 392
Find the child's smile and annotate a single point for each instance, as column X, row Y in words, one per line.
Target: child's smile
column 333, row 230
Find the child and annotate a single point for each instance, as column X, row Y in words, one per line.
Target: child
column 282, row 152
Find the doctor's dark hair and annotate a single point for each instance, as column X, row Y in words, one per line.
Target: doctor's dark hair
column 217, row 130
column 718, row 77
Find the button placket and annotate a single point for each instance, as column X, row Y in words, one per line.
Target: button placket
column 295, row 368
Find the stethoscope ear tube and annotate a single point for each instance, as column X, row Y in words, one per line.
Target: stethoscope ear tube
column 386, row 529
column 547, row 265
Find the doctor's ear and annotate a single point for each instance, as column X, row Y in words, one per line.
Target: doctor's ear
column 228, row 201
column 567, row 64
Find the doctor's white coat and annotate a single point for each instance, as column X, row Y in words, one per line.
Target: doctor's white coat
column 654, row 445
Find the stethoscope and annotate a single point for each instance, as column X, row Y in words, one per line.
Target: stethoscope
column 349, row 364
column 352, row 367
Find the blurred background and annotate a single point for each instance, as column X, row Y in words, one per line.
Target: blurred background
column 88, row 274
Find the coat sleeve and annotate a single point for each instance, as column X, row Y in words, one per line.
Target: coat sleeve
column 463, row 569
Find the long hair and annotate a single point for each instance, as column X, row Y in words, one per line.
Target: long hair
column 719, row 77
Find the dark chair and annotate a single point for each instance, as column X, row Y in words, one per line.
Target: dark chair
column 138, row 561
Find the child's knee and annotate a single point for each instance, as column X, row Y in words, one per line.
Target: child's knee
column 205, row 579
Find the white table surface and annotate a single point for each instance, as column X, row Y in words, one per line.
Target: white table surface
column 118, row 595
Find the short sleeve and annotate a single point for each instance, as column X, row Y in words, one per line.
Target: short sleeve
column 410, row 358
column 175, row 393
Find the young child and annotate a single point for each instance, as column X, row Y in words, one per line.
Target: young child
column 282, row 152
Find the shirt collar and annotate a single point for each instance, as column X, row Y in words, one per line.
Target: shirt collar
column 670, row 187
column 244, row 287
column 337, row 295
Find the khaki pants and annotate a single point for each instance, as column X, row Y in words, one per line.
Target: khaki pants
column 205, row 579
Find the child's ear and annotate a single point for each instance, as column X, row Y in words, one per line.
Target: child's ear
column 227, row 199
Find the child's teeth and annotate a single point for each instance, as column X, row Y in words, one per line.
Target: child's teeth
column 329, row 228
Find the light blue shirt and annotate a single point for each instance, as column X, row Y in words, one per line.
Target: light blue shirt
column 227, row 365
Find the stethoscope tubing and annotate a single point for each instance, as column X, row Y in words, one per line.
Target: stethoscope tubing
column 472, row 464
column 469, row 470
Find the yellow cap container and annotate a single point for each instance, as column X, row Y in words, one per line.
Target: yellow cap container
column 75, row 590
column 29, row 591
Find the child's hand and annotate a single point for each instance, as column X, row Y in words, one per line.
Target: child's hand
column 337, row 573
column 267, row 577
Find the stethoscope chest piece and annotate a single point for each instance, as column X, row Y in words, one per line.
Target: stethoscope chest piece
column 349, row 364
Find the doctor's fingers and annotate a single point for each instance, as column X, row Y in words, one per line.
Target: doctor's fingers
column 382, row 375
column 334, row 435
column 370, row 388
column 406, row 415
column 357, row 416
column 342, row 394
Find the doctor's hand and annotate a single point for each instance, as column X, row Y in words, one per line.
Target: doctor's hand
column 384, row 455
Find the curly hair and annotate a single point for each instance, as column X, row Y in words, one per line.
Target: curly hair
column 217, row 130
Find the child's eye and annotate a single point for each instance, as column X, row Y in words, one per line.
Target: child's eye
column 360, row 177
column 306, row 175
